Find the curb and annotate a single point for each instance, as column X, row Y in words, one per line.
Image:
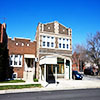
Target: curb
column 41, row 89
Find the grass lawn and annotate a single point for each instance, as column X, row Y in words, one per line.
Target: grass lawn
column 19, row 86
column 12, row 81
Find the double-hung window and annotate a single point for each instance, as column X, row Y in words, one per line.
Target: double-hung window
column 15, row 60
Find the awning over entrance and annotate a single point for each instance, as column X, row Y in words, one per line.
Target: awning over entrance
column 29, row 56
column 48, row 60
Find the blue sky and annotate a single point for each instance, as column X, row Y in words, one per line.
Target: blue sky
column 22, row 16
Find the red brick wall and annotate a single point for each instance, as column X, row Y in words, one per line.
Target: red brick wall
column 19, row 49
column 3, row 35
column 75, row 61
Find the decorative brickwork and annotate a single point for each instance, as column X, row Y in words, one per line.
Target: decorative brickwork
column 49, row 27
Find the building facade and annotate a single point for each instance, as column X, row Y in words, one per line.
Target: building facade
column 3, row 52
column 22, row 58
column 3, row 35
column 76, row 62
column 54, row 52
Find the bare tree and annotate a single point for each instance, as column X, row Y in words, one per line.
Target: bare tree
column 79, row 55
column 93, row 49
column 81, row 50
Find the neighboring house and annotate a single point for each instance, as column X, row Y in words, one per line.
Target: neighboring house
column 77, row 64
column 75, row 61
column 3, row 52
column 93, row 67
column 54, row 51
column 22, row 58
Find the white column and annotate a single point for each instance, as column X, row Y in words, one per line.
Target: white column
column 25, row 65
column 65, row 68
column 40, row 73
column 33, row 67
column 70, row 69
column 45, row 72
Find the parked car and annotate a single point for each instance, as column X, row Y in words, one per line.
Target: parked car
column 76, row 75
column 88, row 71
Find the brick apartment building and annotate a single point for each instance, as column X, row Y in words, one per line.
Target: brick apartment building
column 22, row 58
column 54, row 52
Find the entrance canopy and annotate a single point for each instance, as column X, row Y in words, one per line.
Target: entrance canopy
column 48, row 60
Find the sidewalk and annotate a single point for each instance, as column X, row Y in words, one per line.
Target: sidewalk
column 63, row 85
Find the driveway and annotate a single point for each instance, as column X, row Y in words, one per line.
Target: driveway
column 89, row 77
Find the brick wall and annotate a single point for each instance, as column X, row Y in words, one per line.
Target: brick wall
column 21, row 46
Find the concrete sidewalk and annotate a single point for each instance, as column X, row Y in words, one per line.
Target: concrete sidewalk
column 63, row 85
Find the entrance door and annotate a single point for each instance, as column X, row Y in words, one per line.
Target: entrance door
column 29, row 71
column 50, row 76
column 29, row 64
column 67, row 69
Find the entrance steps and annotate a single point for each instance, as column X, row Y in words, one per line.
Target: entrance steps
column 59, row 83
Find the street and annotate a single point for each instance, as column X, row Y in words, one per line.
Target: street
column 85, row 94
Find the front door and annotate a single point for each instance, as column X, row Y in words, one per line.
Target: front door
column 50, row 76
column 67, row 70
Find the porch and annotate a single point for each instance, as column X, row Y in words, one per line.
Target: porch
column 54, row 68
column 29, row 67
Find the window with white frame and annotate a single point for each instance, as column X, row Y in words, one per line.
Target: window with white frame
column 48, row 42
column 63, row 43
column 59, row 45
column 43, row 44
column 52, row 44
column 15, row 60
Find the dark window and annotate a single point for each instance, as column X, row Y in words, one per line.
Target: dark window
column 67, row 46
column 48, row 37
column 43, row 36
column 43, row 43
column 16, row 60
column 52, row 44
column 20, row 59
column 59, row 45
column 59, row 38
column 48, row 44
column 63, row 45
column 52, row 37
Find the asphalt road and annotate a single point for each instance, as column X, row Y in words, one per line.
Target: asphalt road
column 86, row 94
